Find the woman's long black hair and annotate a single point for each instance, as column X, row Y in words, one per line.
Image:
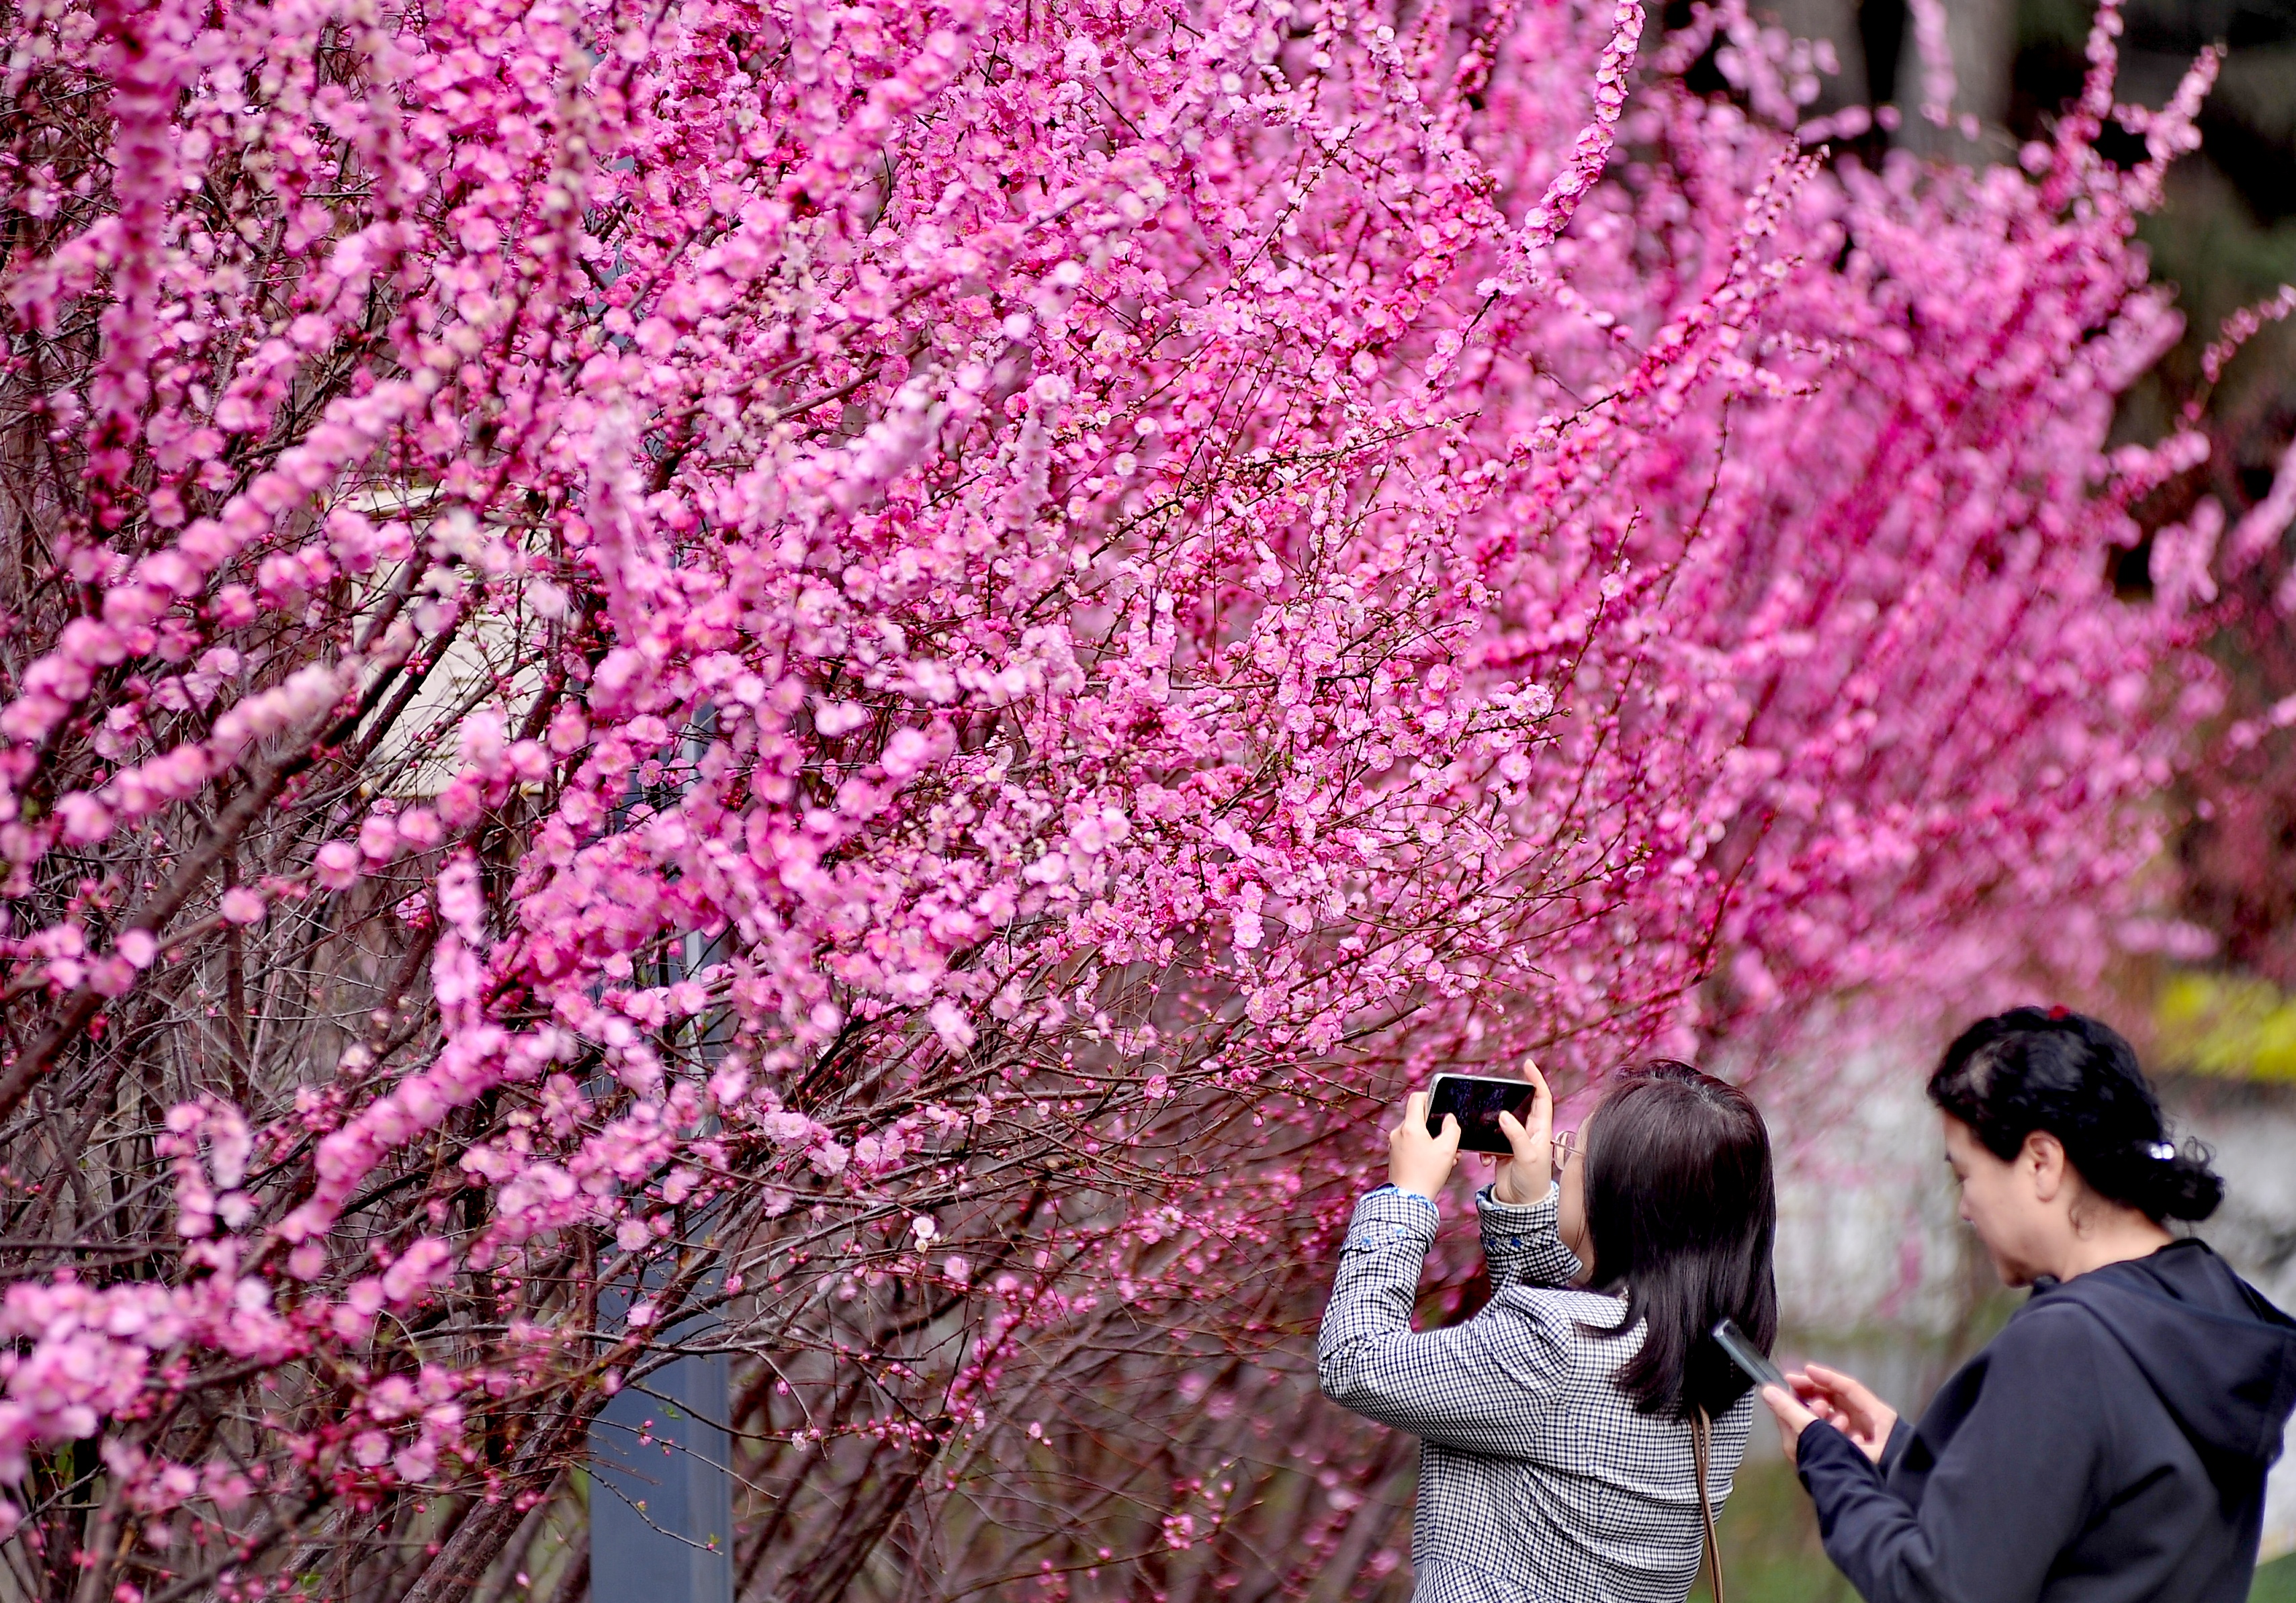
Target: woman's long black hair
column 1682, row 1215
column 2031, row 1069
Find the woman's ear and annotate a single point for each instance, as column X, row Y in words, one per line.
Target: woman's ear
column 2044, row 1159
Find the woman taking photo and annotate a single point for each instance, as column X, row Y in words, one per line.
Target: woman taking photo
column 1563, row 1426
column 2110, row 1444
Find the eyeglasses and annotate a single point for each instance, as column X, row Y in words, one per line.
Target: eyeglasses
column 1565, row 1145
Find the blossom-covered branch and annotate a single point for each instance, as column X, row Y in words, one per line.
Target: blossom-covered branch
column 872, row 668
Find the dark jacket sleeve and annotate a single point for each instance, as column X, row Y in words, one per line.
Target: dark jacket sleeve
column 2011, row 1490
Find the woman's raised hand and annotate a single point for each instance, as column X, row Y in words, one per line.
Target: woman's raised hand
column 1524, row 1175
column 1416, row 1161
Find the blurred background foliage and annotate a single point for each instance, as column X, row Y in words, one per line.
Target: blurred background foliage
column 2224, row 239
column 2228, row 1025
column 2220, row 1024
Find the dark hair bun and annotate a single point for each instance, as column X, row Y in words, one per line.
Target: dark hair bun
column 2184, row 1186
column 2032, row 1069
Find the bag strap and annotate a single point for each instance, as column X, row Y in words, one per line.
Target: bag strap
column 1701, row 1440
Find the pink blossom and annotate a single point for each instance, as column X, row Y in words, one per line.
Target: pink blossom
column 423, row 1263
column 85, row 819
column 950, row 1023
column 829, row 1158
column 417, row 1461
column 336, row 865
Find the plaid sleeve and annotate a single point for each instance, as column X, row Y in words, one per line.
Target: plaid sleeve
column 1481, row 1386
column 1520, row 1243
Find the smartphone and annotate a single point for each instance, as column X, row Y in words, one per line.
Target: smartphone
column 1478, row 1103
column 1747, row 1356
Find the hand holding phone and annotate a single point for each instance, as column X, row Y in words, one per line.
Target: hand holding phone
column 1422, row 1150
column 1511, row 1121
column 1845, row 1403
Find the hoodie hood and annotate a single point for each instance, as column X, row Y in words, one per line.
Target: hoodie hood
column 2221, row 1357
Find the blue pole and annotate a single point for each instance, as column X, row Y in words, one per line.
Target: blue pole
column 661, row 1499
column 661, row 1480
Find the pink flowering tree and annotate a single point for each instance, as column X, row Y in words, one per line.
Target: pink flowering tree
column 2223, row 561
column 875, row 669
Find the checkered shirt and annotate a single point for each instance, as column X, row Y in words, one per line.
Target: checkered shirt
column 1538, row 1483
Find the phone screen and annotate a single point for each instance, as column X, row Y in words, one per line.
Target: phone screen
column 1746, row 1355
column 1478, row 1103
